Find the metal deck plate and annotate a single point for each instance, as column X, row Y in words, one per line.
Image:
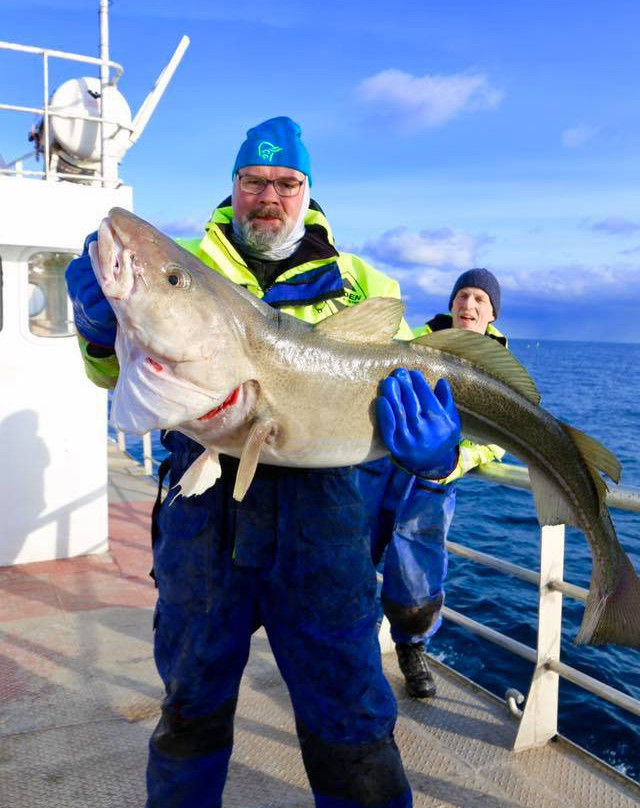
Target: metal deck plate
column 79, row 697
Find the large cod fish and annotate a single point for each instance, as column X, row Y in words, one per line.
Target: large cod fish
column 202, row 355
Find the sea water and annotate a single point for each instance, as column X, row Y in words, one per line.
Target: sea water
column 594, row 387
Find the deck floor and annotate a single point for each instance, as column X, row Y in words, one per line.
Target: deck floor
column 79, row 696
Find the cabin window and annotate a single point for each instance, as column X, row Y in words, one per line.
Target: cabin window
column 50, row 313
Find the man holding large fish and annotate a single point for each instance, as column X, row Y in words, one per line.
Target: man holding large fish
column 293, row 554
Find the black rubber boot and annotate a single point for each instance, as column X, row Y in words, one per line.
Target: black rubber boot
column 412, row 659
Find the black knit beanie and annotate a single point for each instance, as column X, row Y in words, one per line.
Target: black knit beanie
column 479, row 279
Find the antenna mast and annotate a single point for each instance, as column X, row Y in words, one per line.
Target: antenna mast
column 109, row 165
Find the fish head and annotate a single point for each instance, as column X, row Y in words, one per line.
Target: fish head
column 180, row 327
column 164, row 298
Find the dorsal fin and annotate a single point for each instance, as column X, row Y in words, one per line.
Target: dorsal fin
column 594, row 454
column 376, row 319
column 484, row 353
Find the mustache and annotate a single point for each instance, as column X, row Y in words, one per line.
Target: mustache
column 267, row 211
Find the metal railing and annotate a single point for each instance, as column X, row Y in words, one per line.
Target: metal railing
column 46, row 112
column 539, row 719
column 149, row 462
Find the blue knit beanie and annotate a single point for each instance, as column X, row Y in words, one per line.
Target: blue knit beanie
column 275, row 142
column 479, row 279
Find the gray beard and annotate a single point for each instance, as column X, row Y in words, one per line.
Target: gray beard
column 270, row 245
column 267, row 245
column 262, row 240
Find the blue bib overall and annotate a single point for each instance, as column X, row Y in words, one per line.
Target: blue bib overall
column 295, row 557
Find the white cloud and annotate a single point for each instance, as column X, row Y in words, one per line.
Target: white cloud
column 443, row 248
column 417, row 282
column 572, row 283
column 429, row 262
column 616, row 226
column 578, row 135
column 427, row 101
column 182, row 227
column 566, row 302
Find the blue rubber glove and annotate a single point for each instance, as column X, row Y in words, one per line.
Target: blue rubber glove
column 419, row 426
column 93, row 315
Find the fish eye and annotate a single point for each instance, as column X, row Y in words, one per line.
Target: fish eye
column 178, row 276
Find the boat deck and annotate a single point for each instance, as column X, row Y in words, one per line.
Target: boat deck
column 79, row 696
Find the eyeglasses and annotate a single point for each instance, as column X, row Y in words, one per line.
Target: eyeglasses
column 284, row 186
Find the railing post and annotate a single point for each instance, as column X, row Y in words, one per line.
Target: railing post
column 122, row 444
column 147, row 453
column 384, row 637
column 539, row 722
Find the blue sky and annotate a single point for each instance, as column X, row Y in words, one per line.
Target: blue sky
column 443, row 134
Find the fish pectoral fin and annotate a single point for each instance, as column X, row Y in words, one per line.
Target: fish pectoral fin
column 486, row 354
column 594, row 453
column 376, row 319
column 259, row 433
column 551, row 508
column 201, row 474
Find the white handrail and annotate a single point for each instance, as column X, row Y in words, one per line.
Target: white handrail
column 70, row 57
column 108, row 161
column 148, row 460
column 539, row 720
column 618, row 496
column 584, row 681
column 109, row 167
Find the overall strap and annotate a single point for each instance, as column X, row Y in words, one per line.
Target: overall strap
column 163, row 470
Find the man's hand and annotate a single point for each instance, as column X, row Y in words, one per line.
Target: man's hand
column 419, row 426
column 92, row 313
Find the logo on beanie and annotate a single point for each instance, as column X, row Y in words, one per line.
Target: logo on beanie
column 266, row 150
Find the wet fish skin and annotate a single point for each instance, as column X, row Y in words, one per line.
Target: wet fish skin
column 305, row 394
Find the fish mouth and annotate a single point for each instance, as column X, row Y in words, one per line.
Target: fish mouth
column 229, row 401
column 130, row 270
column 114, row 265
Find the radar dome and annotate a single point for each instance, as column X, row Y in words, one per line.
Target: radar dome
column 81, row 138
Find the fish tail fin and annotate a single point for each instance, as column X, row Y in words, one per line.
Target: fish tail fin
column 615, row 617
